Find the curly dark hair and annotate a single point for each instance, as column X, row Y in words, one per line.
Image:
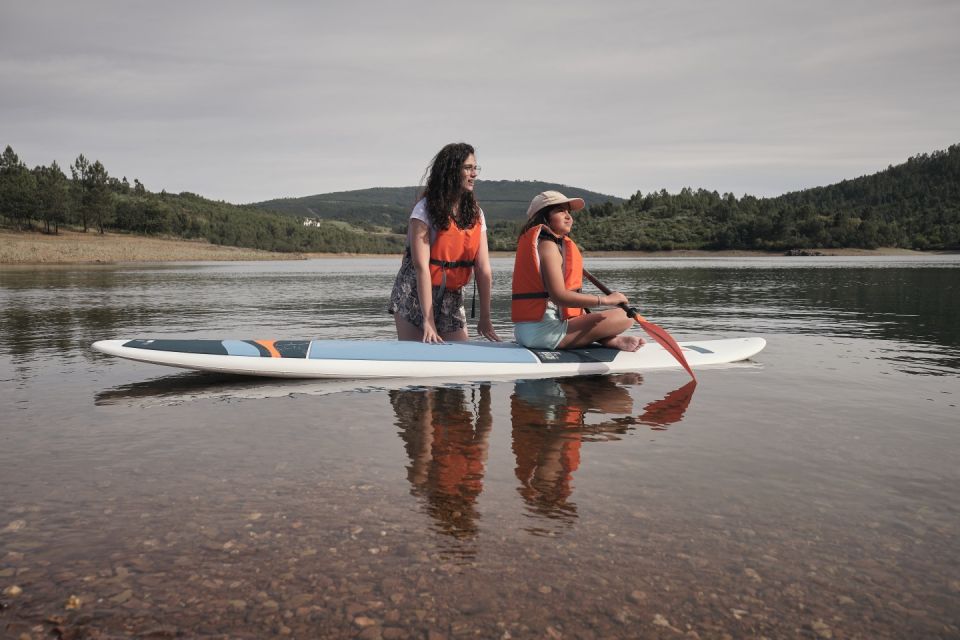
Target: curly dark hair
column 541, row 217
column 444, row 193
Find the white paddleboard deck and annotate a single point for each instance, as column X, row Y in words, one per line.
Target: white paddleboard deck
column 395, row 359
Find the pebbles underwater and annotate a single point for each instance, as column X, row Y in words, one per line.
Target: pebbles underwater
column 466, row 544
column 808, row 494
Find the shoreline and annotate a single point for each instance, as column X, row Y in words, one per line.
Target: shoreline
column 69, row 248
column 74, row 248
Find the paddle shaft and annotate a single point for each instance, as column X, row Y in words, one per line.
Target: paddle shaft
column 656, row 332
column 605, row 290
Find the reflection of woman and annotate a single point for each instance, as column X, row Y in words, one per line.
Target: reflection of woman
column 548, row 429
column 446, row 244
column 550, row 425
column 447, row 451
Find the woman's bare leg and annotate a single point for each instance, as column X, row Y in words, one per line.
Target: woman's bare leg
column 406, row 330
column 604, row 327
column 456, row 336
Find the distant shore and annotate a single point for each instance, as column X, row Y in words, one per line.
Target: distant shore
column 74, row 248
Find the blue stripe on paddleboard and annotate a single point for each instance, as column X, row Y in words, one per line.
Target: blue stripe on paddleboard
column 419, row 351
column 206, row 347
column 694, row 347
column 240, row 348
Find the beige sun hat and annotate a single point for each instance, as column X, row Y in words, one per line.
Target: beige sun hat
column 551, row 198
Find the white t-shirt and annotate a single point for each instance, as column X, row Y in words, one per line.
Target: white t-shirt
column 420, row 213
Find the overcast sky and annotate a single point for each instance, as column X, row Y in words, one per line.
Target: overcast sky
column 246, row 101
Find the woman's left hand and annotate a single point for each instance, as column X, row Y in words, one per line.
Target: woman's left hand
column 485, row 329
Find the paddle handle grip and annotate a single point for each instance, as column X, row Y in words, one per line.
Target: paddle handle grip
column 631, row 311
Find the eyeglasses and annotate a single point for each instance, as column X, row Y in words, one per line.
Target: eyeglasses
column 470, row 168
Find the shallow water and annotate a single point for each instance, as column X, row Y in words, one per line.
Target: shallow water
column 807, row 493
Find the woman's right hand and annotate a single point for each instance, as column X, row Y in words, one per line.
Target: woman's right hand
column 613, row 299
column 430, row 334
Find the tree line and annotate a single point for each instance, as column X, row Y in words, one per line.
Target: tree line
column 913, row 205
column 91, row 199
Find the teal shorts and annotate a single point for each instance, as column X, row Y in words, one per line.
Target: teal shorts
column 545, row 334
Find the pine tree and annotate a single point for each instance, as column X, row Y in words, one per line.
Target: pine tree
column 18, row 190
column 81, row 200
column 52, row 196
column 100, row 199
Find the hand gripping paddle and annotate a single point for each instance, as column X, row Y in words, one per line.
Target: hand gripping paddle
column 656, row 332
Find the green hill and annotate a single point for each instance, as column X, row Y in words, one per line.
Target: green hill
column 389, row 207
column 913, row 205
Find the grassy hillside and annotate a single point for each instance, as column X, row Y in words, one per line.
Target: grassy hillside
column 389, row 207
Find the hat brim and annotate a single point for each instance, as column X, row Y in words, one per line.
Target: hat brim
column 576, row 204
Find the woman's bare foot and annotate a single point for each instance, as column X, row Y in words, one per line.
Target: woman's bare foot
column 624, row 343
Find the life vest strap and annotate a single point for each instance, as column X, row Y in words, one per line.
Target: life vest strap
column 531, row 296
column 452, row 265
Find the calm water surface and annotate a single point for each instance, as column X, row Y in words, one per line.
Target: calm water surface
column 808, row 493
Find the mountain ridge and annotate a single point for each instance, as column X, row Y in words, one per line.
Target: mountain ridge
column 389, row 207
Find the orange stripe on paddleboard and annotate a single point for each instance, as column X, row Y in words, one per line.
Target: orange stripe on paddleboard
column 268, row 345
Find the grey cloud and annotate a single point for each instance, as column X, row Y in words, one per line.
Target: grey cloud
column 246, row 101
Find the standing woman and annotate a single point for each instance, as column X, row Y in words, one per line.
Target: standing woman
column 547, row 306
column 446, row 243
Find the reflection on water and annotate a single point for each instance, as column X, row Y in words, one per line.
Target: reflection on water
column 551, row 421
column 58, row 313
column 808, row 494
column 658, row 415
column 195, row 385
column 445, row 431
column 178, row 387
column 908, row 301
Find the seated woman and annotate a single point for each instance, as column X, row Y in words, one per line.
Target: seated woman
column 548, row 307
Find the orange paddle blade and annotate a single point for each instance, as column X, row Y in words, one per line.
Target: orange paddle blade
column 656, row 332
column 660, row 334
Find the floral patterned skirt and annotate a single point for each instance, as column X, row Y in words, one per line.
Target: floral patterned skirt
column 448, row 312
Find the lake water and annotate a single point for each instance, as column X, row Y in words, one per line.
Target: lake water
column 811, row 492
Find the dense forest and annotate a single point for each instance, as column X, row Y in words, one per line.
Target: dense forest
column 91, row 199
column 912, row 205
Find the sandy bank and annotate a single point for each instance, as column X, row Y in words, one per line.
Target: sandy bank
column 71, row 247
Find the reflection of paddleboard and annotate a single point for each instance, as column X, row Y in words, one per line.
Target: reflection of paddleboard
column 391, row 359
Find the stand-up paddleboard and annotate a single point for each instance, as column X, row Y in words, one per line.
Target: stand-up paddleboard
column 395, row 359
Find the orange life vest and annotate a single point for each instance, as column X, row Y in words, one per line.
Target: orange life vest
column 529, row 292
column 452, row 255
